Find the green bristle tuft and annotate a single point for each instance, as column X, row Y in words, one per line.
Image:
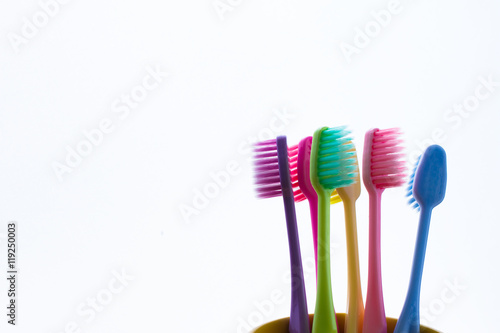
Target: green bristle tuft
column 336, row 159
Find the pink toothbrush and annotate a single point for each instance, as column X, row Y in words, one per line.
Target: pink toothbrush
column 383, row 167
column 300, row 163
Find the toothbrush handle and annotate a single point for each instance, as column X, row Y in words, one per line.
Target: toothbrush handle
column 324, row 314
column 299, row 316
column 355, row 309
column 374, row 320
column 409, row 320
column 313, row 208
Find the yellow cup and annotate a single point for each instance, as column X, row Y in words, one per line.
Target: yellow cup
column 281, row 325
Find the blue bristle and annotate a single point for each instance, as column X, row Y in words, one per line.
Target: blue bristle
column 411, row 201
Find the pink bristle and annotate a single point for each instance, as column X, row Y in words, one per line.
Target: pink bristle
column 388, row 168
column 293, row 157
column 383, row 158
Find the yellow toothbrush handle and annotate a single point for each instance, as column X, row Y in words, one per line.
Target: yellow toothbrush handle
column 355, row 309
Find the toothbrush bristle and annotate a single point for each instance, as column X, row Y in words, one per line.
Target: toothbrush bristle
column 267, row 176
column 336, row 165
column 411, row 199
column 303, row 166
column 388, row 167
column 335, row 198
column 293, row 156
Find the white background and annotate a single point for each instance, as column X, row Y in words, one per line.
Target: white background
column 229, row 74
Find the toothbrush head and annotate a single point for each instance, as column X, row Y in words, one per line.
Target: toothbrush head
column 300, row 163
column 353, row 191
column 427, row 186
column 333, row 163
column 383, row 159
column 267, row 174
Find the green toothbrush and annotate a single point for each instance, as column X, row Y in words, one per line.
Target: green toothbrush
column 333, row 165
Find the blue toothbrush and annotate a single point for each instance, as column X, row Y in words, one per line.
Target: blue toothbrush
column 426, row 189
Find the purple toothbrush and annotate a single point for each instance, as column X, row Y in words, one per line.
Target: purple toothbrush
column 272, row 177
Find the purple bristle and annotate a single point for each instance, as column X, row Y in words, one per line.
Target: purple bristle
column 267, row 176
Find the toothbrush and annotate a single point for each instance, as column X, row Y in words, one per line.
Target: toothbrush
column 355, row 309
column 300, row 160
column 383, row 167
column 332, row 166
column 426, row 191
column 272, row 171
